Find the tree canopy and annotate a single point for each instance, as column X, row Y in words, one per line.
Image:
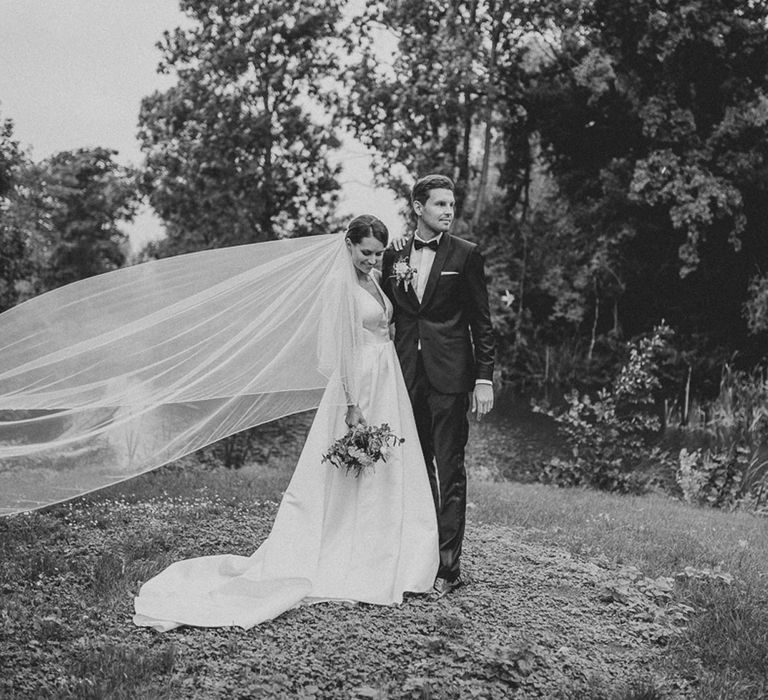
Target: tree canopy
column 233, row 151
column 60, row 218
column 653, row 119
column 610, row 156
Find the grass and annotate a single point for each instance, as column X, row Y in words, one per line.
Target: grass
column 726, row 642
column 654, row 532
column 67, row 576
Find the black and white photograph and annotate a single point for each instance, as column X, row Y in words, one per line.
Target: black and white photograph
column 384, row 349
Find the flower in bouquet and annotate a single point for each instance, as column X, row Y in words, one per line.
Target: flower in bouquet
column 403, row 273
column 361, row 448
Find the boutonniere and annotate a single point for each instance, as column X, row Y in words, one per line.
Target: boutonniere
column 403, row 273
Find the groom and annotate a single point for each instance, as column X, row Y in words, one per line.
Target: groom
column 445, row 343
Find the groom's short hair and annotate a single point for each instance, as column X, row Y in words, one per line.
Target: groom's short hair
column 420, row 191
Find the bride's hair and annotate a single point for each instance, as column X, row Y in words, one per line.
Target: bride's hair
column 366, row 226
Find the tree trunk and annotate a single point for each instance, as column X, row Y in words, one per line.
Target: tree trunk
column 481, row 188
column 462, row 160
column 593, row 338
column 490, row 100
column 267, row 184
column 524, row 235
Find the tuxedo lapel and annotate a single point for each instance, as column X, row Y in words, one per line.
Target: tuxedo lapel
column 437, row 266
column 411, row 293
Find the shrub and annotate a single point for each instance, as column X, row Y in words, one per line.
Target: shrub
column 611, row 437
column 730, row 465
column 724, row 478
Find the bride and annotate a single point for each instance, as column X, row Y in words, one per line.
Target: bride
column 335, row 537
column 118, row 374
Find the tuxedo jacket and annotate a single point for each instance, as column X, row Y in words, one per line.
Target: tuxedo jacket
column 452, row 322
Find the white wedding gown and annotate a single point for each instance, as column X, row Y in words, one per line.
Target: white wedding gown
column 335, row 537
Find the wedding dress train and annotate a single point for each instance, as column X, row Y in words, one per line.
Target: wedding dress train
column 335, row 537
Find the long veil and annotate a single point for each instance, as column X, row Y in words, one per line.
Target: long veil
column 112, row 376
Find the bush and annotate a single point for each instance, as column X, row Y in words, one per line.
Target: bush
column 729, row 478
column 729, row 467
column 611, row 437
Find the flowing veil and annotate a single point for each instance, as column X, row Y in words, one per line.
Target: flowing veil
column 115, row 375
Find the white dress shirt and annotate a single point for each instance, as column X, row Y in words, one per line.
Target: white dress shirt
column 421, row 261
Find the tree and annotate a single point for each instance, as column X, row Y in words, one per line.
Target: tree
column 610, row 156
column 86, row 195
column 14, row 263
column 437, row 105
column 653, row 120
column 232, row 153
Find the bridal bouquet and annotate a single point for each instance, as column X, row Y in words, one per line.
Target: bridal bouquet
column 361, row 448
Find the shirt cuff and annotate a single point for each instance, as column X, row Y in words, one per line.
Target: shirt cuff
column 483, row 381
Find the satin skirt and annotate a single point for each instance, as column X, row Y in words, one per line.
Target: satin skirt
column 335, row 537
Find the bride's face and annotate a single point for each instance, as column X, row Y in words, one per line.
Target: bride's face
column 367, row 254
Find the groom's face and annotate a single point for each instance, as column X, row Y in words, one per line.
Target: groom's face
column 436, row 214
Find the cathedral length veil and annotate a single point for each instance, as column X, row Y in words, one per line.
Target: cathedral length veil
column 115, row 375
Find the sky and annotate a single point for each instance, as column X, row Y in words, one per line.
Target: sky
column 73, row 73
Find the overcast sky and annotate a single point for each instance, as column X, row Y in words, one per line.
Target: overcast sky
column 72, row 75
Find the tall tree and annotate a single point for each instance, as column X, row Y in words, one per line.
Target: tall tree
column 14, row 261
column 233, row 154
column 436, row 105
column 653, row 117
column 87, row 195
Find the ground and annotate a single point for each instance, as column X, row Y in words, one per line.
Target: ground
column 533, row 622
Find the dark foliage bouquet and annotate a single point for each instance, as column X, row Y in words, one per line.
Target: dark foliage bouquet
column 361, row 448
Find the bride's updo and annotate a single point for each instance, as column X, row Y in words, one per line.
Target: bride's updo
column 367, row 226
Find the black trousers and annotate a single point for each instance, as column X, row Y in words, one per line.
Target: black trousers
column 443, row 427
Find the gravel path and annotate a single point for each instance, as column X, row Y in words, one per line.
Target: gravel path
column 533, row 622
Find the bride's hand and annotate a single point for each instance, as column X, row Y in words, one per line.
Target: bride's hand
column 354, row 416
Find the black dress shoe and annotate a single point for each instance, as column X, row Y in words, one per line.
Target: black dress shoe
column 443, row 586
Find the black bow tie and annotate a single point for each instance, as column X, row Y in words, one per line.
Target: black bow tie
column 418, row 244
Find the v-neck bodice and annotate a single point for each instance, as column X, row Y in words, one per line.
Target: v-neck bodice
column 374, row 316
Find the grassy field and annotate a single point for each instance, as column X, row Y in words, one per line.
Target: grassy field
column 68, row 575
column 719, row 561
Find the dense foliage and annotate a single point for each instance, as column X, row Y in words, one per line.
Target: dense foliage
column 59, row 218
column 87, row 195
column 611, row 159
column 14, row 260
column 612, row 438
column 233, row 154
column 653, row 118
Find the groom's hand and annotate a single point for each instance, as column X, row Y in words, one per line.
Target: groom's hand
column 482, row 399
column 400, row 243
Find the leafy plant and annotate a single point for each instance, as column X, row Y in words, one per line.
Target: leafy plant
column 611, row 436
column 728, row 467
column 723, row 478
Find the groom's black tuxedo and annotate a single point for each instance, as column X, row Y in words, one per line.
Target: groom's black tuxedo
column 454, row 304
column 445, row 343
